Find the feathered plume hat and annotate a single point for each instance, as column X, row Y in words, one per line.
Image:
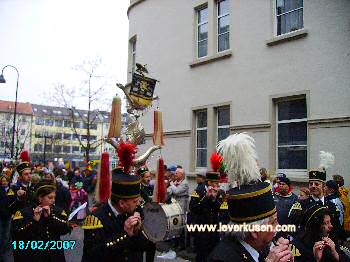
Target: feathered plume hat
column 125, row 185
column 25, row 162
column 216, row 161
column 326, row 161
column 252, row 199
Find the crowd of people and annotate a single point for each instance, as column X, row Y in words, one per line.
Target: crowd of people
column 35, row 203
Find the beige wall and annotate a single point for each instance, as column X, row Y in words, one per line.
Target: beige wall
column 317, row 65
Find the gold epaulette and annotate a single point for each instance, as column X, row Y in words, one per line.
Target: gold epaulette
column 345, row 250
column 18, row 215
column 63, row 213
column 11, row 192
column 195, row 194
column 294, row 250
column 297, row 206
column 224, row 205
column 92, row 222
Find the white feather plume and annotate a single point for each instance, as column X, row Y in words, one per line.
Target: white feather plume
column 240, row 158
column 326, row 160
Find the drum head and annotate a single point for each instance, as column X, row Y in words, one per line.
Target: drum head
column 155, row 222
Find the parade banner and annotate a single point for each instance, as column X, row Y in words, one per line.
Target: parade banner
column 142, row 89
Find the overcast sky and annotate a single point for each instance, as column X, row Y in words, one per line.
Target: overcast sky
column 45, row 39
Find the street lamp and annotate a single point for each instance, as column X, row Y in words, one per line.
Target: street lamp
column 2, row 80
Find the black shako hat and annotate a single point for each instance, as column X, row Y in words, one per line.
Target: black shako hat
column 249, row 203
column 124, row 184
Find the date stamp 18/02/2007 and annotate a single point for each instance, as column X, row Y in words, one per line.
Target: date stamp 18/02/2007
column 44, row 245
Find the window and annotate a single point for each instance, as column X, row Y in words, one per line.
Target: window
column 58, row 136
column 49, row 122
column 75, row 149
column 57, row 112
column 67, row 123
column 223, row 23
column 59, row 123
column 2, row 144
column 289, row 15
column 38, row 135
column 201, row 138
column 133, row 55
column 93, row 138
column 40, row 121
column 48, row 148
column 85, row 125
column 93, row 126
column 292, row 134
column 38, row 148
column 202, row 32
column 83, row 137
column 67, row 136
column 76, row 124
column 23, row 132
column 223, row 123
column 57, row 149
column 66, row 149
column 75, row 136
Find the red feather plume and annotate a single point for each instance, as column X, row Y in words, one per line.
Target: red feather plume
column 24, row 156
column 126, row 154
column 216, row 161
column 105, row 179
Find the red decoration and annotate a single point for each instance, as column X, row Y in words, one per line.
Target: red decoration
column 161, row 187
column 25, row 157
column 216, row 161
column 126, row 154
column 105, row 179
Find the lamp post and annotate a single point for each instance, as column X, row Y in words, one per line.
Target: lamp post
column 2, row 80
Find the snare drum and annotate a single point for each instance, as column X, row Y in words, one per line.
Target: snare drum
column 163, row 221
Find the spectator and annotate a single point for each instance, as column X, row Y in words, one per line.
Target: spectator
column 77, row 176
column 63, row 197
column 304, row 193
column 332, row 194
column 344, row 191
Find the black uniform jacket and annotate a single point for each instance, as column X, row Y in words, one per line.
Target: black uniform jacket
column 43, row 235
column 106, row 240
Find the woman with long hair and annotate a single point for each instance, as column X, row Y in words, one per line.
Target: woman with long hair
column 39, row 227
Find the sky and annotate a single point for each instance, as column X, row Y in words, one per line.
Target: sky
column 46, row 39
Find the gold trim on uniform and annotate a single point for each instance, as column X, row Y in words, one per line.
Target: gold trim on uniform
column 18, row 215
column 294, row 250
column 125, row 197
column 195, row 194
column 297, row 206
column 11, row 192
column 224, row 205
column 251, row 194
column 244, row 219
column 318, row 209
column 92, row 222
column 63, row 213
column 126, row 183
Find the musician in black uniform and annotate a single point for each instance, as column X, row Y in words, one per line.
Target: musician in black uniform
column 113, row 232
column 40, row 224
column 315, row 242
column 317, row 180
column 205, row 204
column 24, row 189
column 146, row 195
column 250, row 202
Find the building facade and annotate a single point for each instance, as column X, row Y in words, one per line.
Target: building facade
column 277, row 69
column 22, row 140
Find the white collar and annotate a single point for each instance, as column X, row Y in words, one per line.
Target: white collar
column 115, row 212
column 251, row 250
column 316, row 199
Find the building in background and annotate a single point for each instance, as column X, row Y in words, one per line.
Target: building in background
column 24, row 115
column 279, row 70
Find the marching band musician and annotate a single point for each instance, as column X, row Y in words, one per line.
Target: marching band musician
column 113, row 231
column 205, row 205
column 40, row 225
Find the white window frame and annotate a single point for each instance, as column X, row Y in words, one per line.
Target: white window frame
column 133, row 56
column 217, row 122
column 277, row 146
column 217, row 26
column 199, row 129
column 198, row 25
column 276, row 15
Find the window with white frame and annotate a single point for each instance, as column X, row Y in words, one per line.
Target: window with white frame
column 202, row 32
column 289, row 15
column 291, row 134
column 223, row 123
column 201, row 138
column 133, row 55
column 223, row 25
